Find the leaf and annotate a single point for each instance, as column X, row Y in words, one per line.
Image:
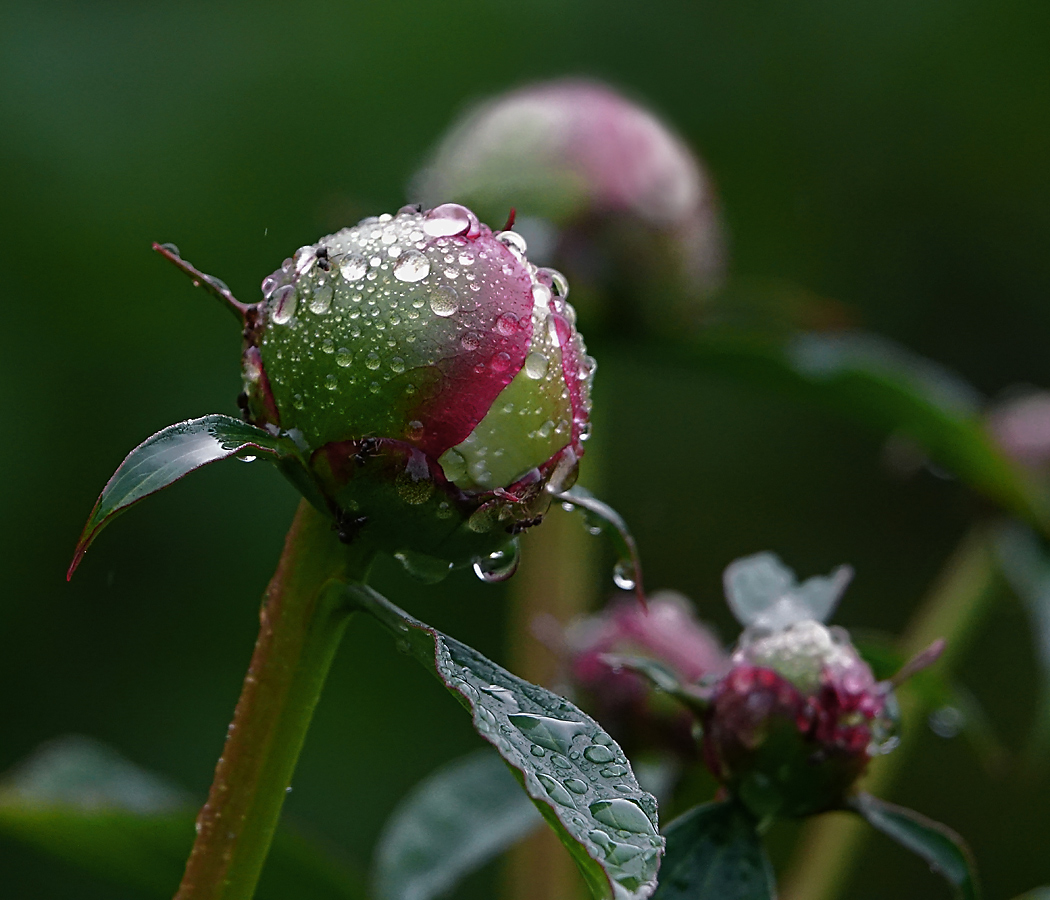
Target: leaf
column 166, row 457
column 662, row 677
column 82, row 802
column 1025, row 562
column 880, row 385
column 762, row 591
column 452, row 823
column 577, row 776
column 628, row 572
column 944, row 850
column 714, row 852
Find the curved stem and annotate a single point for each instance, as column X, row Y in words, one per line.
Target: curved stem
column 302, row 620
column 830, row 844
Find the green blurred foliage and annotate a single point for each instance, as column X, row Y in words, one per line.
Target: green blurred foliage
column 889, row 155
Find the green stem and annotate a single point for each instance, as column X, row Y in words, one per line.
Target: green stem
column 954, row 609
column 303, row 617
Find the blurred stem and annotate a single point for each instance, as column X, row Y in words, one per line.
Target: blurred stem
column 557, row 579
column 302, row 619
column 953, row 610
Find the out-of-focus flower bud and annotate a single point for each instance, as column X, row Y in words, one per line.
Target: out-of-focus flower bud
column 432, row 377
column 611, row 193
column 1021, row 425
column 668, row 633
column 799, row 715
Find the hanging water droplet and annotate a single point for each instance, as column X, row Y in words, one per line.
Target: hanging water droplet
column 624, row 575
column 283, row 305
column 246, row 458
column 411, row 266
column 559, row 283
column 321, row 301
column 499, row 566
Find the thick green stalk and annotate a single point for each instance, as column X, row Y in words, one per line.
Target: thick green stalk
column 303, row 617
column 954, row 609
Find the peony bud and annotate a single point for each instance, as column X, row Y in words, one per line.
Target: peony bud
column 611, row 192
column 668, row 633
column 432, row 378
column 799, row 715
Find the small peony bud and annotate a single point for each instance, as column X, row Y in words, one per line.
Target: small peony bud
column 799, row 715
column 612, row 194
column 432, row 377
column 666, row 632
column 796, row 720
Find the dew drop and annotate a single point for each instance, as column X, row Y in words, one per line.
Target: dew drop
column 507, row 324
column 397, row 365
column 556, row 792
column 596, row 753
column 372, row 361
column 453, row 464
column 451, row 219
column 283, row 305
column 414, row 430
column 411, row 266
column 576, row 786
column 613, row 771
column 513, row 242
column 444, row 301
column 269, row 285
column 554, row 734
column 536, row 365
column 343, row 357
column 321, row 301
column 623, row 815
column 500, row 362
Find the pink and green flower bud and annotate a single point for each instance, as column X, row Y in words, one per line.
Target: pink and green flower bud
column 610, row 191
column 665, row 631
column 432, row 376
column 797, row 718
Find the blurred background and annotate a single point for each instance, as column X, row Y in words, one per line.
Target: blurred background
column 891, row 157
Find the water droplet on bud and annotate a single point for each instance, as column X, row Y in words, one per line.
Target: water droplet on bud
column 411, row 266
column 444, row 301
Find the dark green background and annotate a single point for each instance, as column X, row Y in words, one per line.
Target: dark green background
column 892, row 155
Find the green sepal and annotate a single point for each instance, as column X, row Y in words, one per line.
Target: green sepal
column 943, row 849
column 169, row 455
column 714, row 852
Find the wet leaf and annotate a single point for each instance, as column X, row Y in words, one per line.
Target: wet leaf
column 944, row 850
column 166, row 457
column 715, row 853
column 576, row 775
column 450, row 824
column 885, row 388
column 83, row 803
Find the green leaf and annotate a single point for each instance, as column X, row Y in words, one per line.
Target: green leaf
column 169, row 455
column 944, row 850
column 662, row 677
column 452, row 823
column 577, row 776
column 83, row 803
column 881, row 386
column 714, row 852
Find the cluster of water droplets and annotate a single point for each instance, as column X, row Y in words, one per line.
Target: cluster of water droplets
column 568, row 760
